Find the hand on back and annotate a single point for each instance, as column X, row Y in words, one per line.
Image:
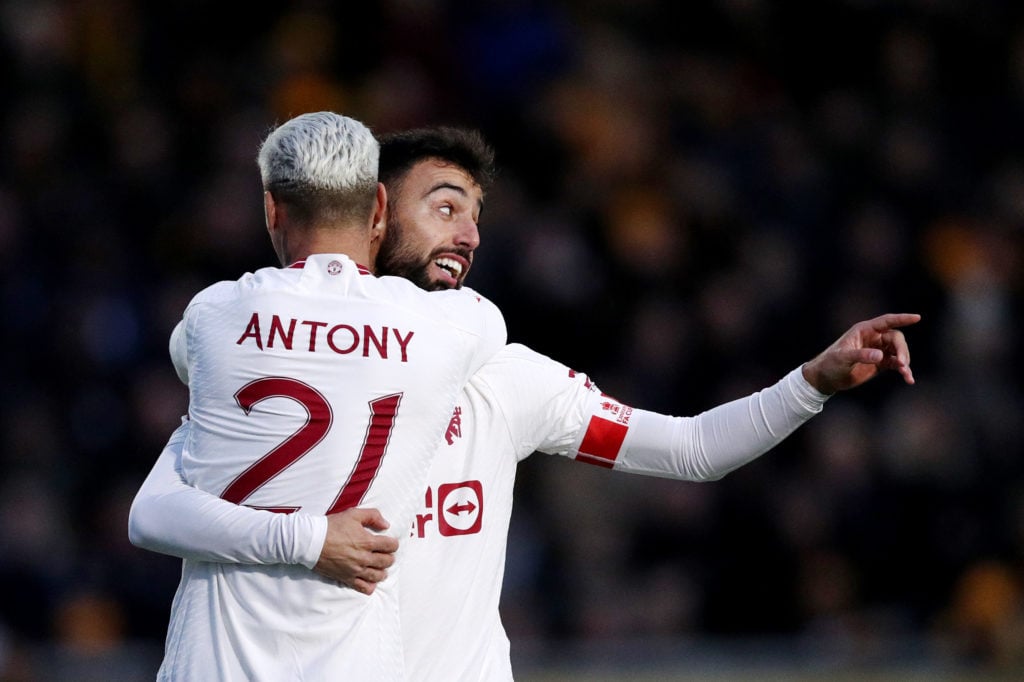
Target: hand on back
column 353, row 554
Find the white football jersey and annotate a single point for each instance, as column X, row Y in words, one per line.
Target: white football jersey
column 312, row 389
column 518, row 403
column 454, row 558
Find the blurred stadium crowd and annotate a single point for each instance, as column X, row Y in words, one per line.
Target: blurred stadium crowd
column 694, row 198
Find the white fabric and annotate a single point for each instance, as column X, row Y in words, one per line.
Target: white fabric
column 522, row 402
column 453, row 562
column 195, row 524
column 304, row 383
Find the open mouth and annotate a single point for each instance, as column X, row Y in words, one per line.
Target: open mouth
column 451, row 266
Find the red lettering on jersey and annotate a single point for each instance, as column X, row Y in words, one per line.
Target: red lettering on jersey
column 375, row 445
column 351, row 330
column 381, row 345
column 374, row 342
column 312, row 332
column 602, row 442
column 277, row 328
column 454, row 426
column 252, row 331
column 420, row 528
column 404, row 343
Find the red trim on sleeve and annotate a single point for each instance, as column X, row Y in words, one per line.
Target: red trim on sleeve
column 602, row 442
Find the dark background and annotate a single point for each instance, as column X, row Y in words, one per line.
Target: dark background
column 694, row 198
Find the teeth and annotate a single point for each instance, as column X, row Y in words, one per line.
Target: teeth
column 452, row 266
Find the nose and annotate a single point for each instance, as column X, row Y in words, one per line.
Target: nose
column 468, row 234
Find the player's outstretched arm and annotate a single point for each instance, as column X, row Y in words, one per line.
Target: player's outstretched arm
column 171, row 517
column 865, row 350
column 708, row 446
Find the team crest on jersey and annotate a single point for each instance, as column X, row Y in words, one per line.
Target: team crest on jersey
column 454, row 426
column 616, row 411
column 334, row 267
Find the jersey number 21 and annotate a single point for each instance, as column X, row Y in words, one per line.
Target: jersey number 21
column 319, row 419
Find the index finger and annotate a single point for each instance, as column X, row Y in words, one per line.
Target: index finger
column 889, row 321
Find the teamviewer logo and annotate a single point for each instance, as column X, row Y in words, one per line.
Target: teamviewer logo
column 460, row 508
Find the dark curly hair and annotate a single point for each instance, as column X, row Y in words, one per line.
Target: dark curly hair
column 462, row 147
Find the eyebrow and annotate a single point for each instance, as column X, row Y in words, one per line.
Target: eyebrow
column 455, row 188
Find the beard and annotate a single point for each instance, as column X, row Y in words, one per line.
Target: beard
column 399, row 259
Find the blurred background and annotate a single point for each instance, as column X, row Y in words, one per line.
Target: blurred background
column 694, row 198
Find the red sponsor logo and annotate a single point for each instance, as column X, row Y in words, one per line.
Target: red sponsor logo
column 459, row 510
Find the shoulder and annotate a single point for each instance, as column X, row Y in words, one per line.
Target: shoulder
column 251, row 281
column 518, row 371
column 466, row 301
column 403, row 289
column 543, row 403
column 464, row 308
column 517, row 355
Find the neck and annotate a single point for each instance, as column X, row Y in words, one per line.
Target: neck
column 352, row 243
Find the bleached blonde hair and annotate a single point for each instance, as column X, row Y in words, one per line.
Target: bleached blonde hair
column 322, row 150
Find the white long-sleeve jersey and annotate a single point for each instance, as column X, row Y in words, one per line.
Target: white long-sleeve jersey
column 453, row 561
column 312, row 389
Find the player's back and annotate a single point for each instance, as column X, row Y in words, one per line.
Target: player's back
column 313, row 388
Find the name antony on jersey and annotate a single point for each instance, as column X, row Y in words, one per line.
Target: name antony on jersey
column 339, row 338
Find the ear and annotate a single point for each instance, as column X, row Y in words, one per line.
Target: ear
column 380, row 214
column 270, row 211
column 274, row 226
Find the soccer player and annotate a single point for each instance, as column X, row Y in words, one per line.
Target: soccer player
column 313, row 388
column 518, row 403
